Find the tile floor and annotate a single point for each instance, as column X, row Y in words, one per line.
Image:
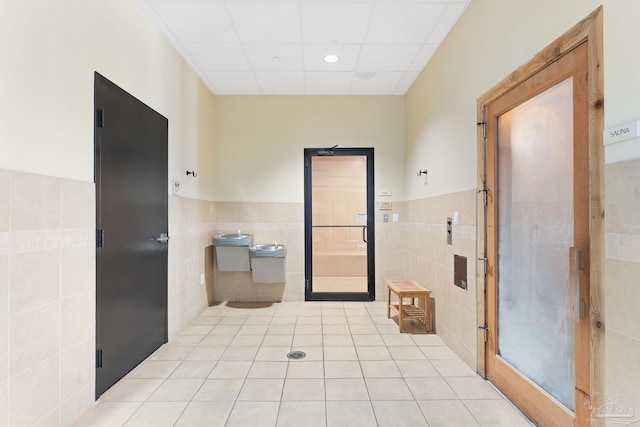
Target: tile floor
column 230, row 368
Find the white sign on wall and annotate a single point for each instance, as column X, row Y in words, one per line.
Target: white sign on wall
column 622, row 132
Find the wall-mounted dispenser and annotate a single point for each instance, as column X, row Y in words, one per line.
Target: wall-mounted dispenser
column 232, row 251
column 268, row 263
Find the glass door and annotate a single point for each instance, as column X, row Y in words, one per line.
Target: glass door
column 538, row 243
column 339, row 227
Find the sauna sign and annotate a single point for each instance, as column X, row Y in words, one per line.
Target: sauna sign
column 622, row 132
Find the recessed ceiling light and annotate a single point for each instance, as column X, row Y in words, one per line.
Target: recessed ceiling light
column 331, row 59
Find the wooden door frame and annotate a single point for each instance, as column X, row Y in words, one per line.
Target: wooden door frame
column 588, row 31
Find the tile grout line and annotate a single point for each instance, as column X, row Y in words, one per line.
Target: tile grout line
column 288, row 366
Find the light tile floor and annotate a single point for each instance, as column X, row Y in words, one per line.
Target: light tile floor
column 230, row 368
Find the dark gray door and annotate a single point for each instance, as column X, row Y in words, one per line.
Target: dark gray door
column 131, row 216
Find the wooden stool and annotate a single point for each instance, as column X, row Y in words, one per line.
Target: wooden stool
column 408, row 289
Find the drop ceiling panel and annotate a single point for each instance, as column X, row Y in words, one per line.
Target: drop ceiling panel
column 397, row 23
column 406, row 82
column 267, row 22
column 348, row 54
column 197, row 22
column 387, row 57
column 277, row 46
column 381, row 83
column 448, row 18
column 233, row 83
column 218, row 57
column 281, row 83
column 335, row 22
column 334, row 82
column 275, row 57
column 424, row 55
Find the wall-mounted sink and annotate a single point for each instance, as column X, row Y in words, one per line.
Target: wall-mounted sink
column 232, row 251
column 237, row 239
column 268, row 250
column 268, row 263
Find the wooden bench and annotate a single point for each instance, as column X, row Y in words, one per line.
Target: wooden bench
column 408, row 289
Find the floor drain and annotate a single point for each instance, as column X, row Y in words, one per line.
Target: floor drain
column 296, row 355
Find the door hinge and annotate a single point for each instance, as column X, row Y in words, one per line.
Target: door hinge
column 484, row 128
column 484, row 193
column 484, row 264
column 100, row 238
column 100, row 118
column 307, row 284
column 485, row 329
column 98, row 358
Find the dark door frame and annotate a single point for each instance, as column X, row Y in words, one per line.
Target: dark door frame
column 308, row 229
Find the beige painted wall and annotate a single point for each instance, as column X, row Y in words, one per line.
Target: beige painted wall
column 260, row 142
column 493, row 38
column 46, row 107
column 50, row 51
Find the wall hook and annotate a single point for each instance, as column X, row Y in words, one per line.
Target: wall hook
column 420, row 172
column 194, row 173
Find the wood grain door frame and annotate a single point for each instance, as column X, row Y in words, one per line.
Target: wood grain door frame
column 588, row 32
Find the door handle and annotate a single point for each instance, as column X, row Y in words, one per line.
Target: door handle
column 364, row 234
column 162, row 238
column 577, row 303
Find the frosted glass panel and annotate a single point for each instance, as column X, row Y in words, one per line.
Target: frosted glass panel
column 535, row 232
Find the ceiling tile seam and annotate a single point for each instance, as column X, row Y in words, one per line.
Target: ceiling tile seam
column 442, row 16
column 404, row 92
column 242, row 45
column 435, row 24
column 364, row 37
column 424, row 41
column 182, row 52
column 254, row 66
column 433, row 29
column 395, row 88
column 302, row 43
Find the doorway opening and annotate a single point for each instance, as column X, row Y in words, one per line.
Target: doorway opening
column 339, row 224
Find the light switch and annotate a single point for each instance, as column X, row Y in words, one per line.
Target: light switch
column 455, row 218
column 395, row 217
